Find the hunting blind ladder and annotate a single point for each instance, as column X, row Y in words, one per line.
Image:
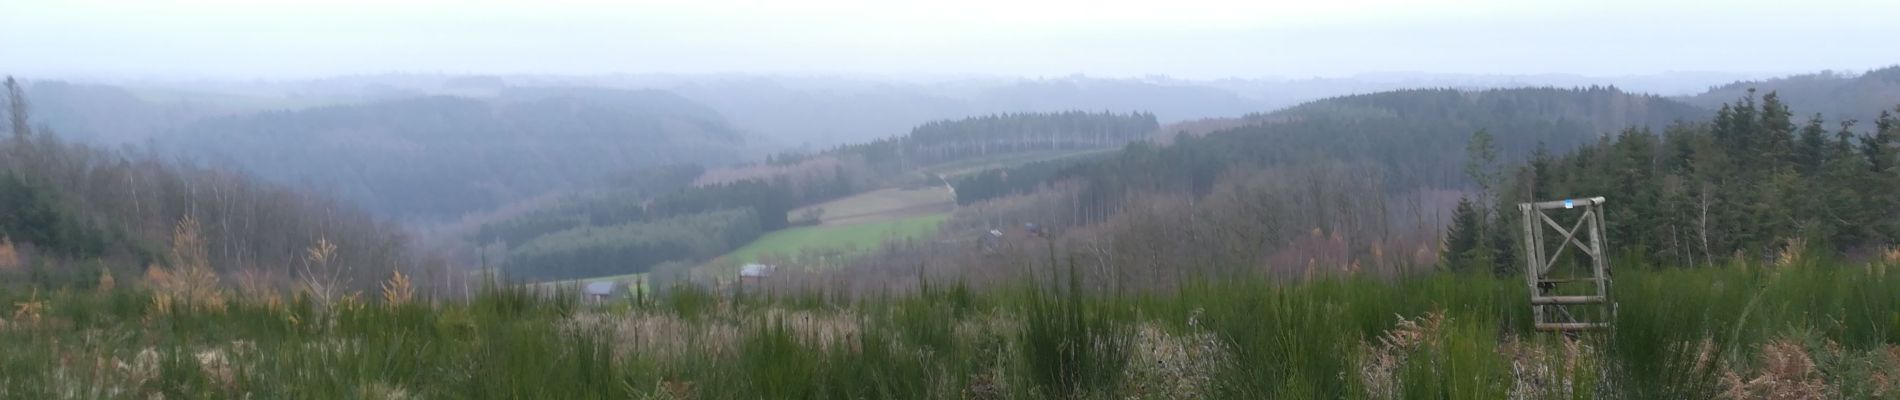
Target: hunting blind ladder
column 1567, row 294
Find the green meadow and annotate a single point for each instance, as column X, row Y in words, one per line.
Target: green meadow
column 852, row 238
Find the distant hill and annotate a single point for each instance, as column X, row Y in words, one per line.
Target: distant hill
column 822, row 113
column 442, row 156
column 1837, row 96
column 1416, row 138
column 1423, row 132
column 113, row 115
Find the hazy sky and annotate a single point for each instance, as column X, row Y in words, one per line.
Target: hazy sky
column 1181, row 38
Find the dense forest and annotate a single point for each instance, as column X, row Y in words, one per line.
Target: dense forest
column 441, row 157
column 72, row 212
column 1755, row 183
column 1414, row 137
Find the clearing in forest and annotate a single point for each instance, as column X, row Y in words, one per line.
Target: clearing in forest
column 852, row 238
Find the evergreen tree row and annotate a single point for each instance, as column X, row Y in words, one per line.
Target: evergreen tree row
column 1754, row 183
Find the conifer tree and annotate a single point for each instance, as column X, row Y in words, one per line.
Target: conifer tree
column 1464, row 243
column 1812, row 151
column 17, row 110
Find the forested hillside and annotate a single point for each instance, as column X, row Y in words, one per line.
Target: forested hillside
column 1358, row 183
column 1361, row 183
column 71, row 212
column 440, row 157
column 1836, row 96
column 1416, row 138
column 664, row 214
column 1754, row 184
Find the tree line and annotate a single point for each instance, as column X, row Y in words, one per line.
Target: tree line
column 938, row 142
column 1755, row 183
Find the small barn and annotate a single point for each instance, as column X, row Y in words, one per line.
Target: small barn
column 753, row 274
column 599, row 291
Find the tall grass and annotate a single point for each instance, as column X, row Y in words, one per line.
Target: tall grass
column 1741, row 331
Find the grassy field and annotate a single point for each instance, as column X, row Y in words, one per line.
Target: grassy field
column 1823, row 331
column 853, row 238
column 850, row 225
column 882, row 205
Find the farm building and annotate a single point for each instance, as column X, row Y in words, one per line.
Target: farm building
column 599, row 291
column 752, row 274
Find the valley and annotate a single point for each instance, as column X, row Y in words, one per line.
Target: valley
column 741, row 235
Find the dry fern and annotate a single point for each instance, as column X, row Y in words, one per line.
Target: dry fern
column 190, row 280
column 321, row 277
column 1793, row 253
column 30, row 310
column 1787, row 373
column 1385, row 358
column 397, row 290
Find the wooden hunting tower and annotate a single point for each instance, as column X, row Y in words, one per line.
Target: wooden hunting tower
column 1567, row 294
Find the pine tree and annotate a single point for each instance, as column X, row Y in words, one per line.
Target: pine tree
column 1464, row 241
column 1777, row 133
column 1879, row 147
column 1540, row 173
column 1631, row 167
column 1489, row 239
column 1883, row 179
column 1841, row 176
column 1812, row 151
column 17, row 110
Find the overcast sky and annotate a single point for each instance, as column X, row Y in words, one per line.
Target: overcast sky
column 1181, row 38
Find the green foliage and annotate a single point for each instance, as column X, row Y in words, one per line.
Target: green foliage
column 30, row 213
column 1743, row 184
column 1677, row 333
column 1072, row 346
column 1465, row 245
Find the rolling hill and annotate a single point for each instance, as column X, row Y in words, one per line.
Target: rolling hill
column 1836, row 96
column 440, row 157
